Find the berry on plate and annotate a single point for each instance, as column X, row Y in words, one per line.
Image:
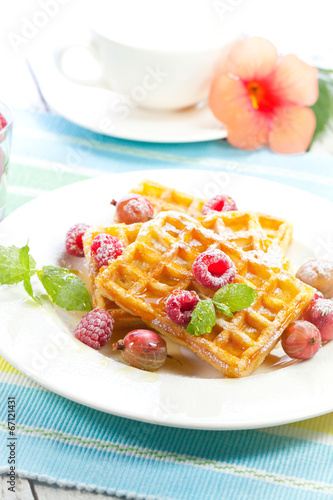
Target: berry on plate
column 95, row 328
column 301, row 340
column 319, row 274
column 143, row 349
column 220, row 203
column 133, row 208
column 104, row 248
column 214, row 269
column 180, row 305
column 320, row 313
column 74, row 245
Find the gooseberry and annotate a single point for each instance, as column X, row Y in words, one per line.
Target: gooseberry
column 301, row 340
column 133, row 208
column 143, row 349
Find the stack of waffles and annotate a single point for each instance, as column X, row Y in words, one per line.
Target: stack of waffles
column 158, row 259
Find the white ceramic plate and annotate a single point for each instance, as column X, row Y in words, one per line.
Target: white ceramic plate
column 105, row 112
column 39, row 341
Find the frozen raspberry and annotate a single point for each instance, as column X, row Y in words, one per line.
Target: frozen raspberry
column 220, row 203
column 95, row 328
column 320, row 314
column 318, row 295
column 133, row 208
column 3, row 121
column 214, row 269
column 180, row 305
column 105, row 248
column 74, row 245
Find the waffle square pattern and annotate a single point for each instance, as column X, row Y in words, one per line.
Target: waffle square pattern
column 276, row 230
column 160, row 260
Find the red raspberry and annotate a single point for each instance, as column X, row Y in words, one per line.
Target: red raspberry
column 133, row 208
column 317, row 295
column 105, row 248
column 3, row 121
column 74, row 245
column 95, row 328
column 180, row 305
column 214, row 269
column 320, row 314
column 220, row 203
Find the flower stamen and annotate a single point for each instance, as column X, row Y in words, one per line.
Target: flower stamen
column 255, row 93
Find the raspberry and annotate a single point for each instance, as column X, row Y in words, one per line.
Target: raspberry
column 3, row 121
column 220, row 203
column 133, row 208
column 105, row 248
column 180, row 305
column 95, row 328
column 74, row 245
column 214, row 269
column 320, row 314
column 317, row 295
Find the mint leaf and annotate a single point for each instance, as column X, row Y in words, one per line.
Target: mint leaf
column 224, row 309
column 15, row 263
column 236, row 296
column 323, row 108
column 203, row 318
column 65, row 288
column 26, row 260
column 28, row 288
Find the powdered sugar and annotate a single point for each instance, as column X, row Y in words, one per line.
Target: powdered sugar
column 319, row 274
column 105, row 248
column 272, row 258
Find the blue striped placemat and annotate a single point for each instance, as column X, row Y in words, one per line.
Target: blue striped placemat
column 59, row 441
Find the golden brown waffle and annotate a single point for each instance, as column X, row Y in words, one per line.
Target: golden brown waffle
column 277, row 230
column 163, row 199
column 126, row 234
column 241, row 228
column 160, row 260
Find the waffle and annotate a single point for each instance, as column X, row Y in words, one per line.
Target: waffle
column 164, row 199
column 277, row 231
column 160, row 260
column 126, row 234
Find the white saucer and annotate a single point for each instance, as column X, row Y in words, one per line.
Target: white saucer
column 104, row 111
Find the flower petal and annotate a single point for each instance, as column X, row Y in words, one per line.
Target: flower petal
column 292, row 129
column 229, row 101
column 295, row 82
column 228, row 97
column 252, row 59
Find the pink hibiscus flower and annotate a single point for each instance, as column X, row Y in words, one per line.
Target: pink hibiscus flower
column 262, row 98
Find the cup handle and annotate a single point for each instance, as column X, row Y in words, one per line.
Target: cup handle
column 92, row 53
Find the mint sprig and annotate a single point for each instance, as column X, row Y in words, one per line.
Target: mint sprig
column 64, row 288
column 203, row 318
column 227, row 300
column 236, row 296
column 26, row 261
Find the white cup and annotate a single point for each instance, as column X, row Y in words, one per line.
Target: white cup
column 161, row 54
